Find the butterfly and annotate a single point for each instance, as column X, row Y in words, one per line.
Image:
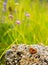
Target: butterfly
column 32, row 50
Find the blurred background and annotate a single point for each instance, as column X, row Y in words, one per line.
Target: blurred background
column 23, row 21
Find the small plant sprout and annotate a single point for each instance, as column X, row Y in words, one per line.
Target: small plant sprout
column 4, row 4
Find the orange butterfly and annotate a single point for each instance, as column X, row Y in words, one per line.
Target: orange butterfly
column 32, row 50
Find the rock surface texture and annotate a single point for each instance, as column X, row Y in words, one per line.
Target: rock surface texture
column 23, row 54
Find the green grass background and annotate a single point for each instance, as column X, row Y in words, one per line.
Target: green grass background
column 31, row 30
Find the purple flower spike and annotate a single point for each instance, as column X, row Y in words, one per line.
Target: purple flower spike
column 27, row 15
column 4, row 4
column 17, row 22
